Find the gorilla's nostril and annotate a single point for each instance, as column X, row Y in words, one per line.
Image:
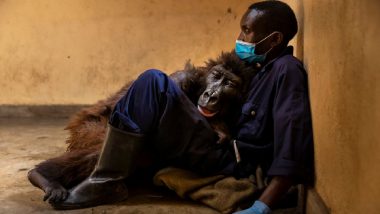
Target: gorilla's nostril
column 213, row 99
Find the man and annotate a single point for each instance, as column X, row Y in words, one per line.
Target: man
column 273, row 130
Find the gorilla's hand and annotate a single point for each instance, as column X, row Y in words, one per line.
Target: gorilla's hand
column 55, row 192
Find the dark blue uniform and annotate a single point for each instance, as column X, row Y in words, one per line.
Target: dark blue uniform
column 273, row 129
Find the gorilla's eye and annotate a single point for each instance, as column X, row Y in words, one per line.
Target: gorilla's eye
column 216, row 74
column 231, row 84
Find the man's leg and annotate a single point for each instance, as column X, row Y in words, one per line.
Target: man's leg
column 156, row 108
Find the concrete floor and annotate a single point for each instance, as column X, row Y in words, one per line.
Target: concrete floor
column 26, row 142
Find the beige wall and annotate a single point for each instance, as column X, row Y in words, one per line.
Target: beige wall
column 79, row 51
column 340, row 50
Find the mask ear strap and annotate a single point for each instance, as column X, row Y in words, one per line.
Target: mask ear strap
column 268, row 51
column 267, row 37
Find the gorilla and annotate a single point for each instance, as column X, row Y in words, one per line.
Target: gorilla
column 217, row 89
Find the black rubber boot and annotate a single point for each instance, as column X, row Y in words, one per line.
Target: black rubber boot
column 106, row 183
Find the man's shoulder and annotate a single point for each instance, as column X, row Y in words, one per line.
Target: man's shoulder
column 288, row 64
column 287, row 60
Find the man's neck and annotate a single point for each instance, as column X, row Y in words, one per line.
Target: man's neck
column 274, row 53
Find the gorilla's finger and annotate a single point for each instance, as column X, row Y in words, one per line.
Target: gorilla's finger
column 53, row 196
column 60, row 195
column 47, row 194
column 65, row 195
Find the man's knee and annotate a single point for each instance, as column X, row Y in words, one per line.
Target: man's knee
column 152, row 74
column 152, row 80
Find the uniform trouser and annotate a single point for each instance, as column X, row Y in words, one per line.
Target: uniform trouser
column 176, row 132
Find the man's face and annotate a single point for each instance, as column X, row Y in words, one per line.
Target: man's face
column 252, row 27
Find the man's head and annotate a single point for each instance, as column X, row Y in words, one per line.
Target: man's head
column 270, row 25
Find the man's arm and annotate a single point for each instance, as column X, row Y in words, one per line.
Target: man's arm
column 277, row 188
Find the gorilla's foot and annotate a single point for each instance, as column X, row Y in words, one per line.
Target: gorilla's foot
column 54, row 191
column 90, row 194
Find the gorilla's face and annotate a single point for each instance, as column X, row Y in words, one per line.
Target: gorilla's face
column 222, row 89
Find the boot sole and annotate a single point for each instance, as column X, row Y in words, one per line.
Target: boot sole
column 63, row 206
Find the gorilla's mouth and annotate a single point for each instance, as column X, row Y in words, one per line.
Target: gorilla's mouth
column 205, row 112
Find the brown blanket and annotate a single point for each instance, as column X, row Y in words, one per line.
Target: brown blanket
column 225, row 194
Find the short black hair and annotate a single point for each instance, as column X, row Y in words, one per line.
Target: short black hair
column 281, row 16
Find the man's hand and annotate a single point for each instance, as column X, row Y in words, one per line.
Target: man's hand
column 257, row 208
column 278, row 186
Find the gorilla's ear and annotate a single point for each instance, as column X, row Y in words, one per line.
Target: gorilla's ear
column 210, row 63
column 188, row 65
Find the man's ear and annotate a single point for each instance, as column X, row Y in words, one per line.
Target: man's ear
column 277, row 39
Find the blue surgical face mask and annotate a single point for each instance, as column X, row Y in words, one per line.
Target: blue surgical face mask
column 246, row 51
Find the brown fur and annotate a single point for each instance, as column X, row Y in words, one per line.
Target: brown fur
column 70, row 168
column 87, row 128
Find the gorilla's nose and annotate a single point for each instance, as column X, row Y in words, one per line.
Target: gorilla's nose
column 210, row 97
column 213, row 99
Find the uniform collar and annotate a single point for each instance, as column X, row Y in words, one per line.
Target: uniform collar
column 288, row 51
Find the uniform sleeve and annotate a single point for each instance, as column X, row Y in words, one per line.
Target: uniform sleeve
column 293, row 137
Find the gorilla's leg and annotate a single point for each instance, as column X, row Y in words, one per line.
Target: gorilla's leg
column 54, row 176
